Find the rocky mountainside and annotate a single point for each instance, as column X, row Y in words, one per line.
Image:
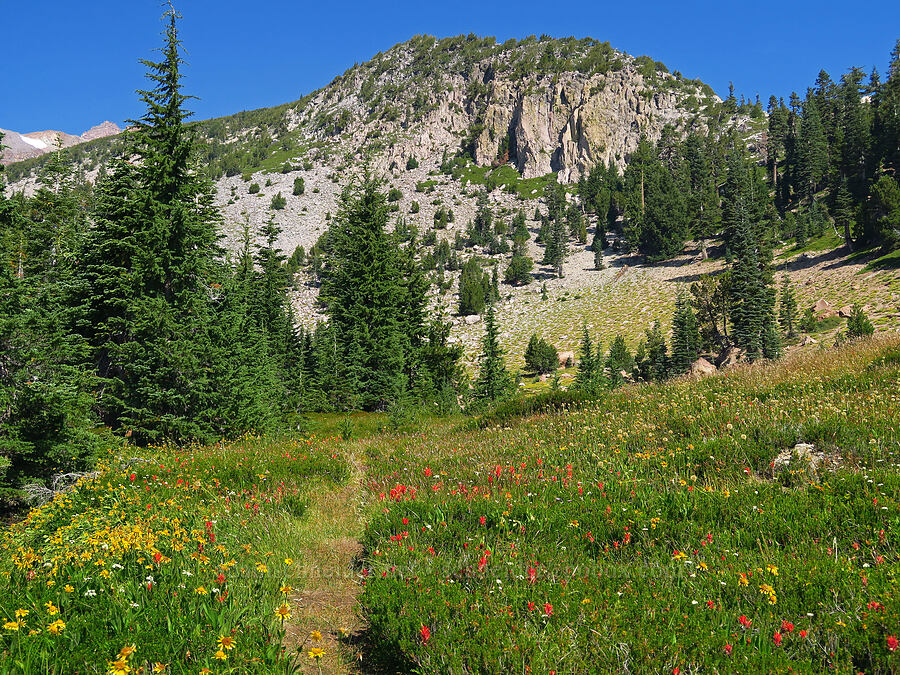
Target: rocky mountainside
column 554, row 105
column 450, row 123
column 541, row 105
column 20, row 147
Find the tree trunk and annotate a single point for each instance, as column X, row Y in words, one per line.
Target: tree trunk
column 847, row 238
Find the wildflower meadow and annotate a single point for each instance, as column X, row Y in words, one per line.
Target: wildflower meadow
column 172, row 562
column 651, row 532
column 661, row 528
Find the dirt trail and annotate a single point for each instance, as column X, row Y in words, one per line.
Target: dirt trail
column 326, row 585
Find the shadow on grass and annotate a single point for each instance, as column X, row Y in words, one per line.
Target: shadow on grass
column 891, row 261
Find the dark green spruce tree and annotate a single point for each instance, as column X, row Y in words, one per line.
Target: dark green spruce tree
column 519, row 271
column 787, row 314
column 618, row 361
column 685, row 335
column 494, row 381
column 474, row 288
column 652, row 362
column 363, row 292
column 590, row 370
column 752, row 298
column 149, row 276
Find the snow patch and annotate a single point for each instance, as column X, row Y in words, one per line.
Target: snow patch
column 34, row 142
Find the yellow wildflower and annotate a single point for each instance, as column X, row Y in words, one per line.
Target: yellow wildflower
column 283, row 611
column 51, row 608
column 11, row 625
column 220, row 655
column 127, row 651
column 772, row 569
column 56, row 627
column 68, row 588
column 315, row 636
column 200, row 590
column 316, row 653
column 21, row 613
column 260, row 567
column 227, row 642
column 286, row 589
column 119, row 667
column 289, row 561
column 159, row 667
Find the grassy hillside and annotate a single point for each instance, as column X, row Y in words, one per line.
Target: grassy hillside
column 636, row 533
column 643, row 532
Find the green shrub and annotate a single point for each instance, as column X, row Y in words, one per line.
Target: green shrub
column 858, row 325
column 522, row 406
column 299, row 186
column 540, row 356
column 253, row 189
column 278, row 202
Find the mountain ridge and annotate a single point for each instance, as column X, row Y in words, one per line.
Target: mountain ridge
column 462, row 91
column 22, row 146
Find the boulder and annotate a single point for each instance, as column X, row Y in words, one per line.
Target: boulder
column 729, row 357
column 566, row 359
column 804, row 458
column 846, row 311
column 472, row 319
column 702, row 367
column 822, row 306
column 808, row 340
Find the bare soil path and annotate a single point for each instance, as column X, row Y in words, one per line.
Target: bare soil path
column 326, row 584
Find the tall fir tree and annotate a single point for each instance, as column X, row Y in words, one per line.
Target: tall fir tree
column 753, row 300
column 653, row 361
column 813, row 149
column 494, row 382
column 556, row 244
column 618, row 361
column 787, row 313
column 587, row 377
column 474, row 288
column 685, row 335
column 363, row 293
column 147, row 269
column 519, row 271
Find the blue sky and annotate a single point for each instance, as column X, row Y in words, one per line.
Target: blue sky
column 70, row 65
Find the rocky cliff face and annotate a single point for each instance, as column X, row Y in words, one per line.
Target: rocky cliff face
column 571, row 125
column 542, row 106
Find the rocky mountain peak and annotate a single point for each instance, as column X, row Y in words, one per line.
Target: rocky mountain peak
column 19, row 146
